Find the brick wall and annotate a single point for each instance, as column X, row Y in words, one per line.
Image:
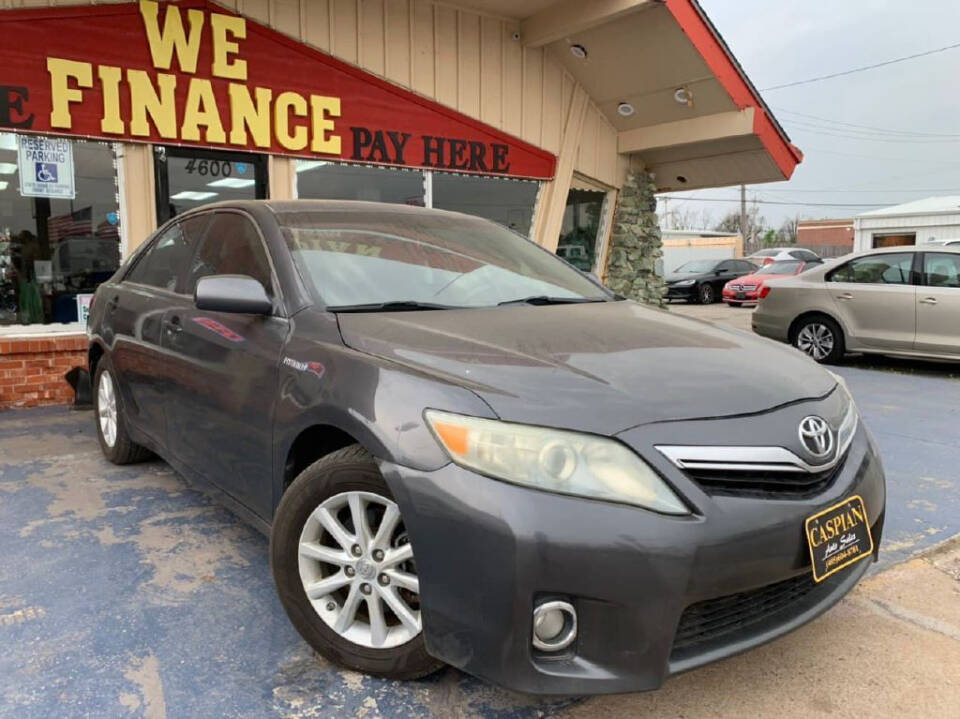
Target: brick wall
column 32, row 370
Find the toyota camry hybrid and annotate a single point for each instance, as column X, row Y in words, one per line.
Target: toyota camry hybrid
column 467, row 452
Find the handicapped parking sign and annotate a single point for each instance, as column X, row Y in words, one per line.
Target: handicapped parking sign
column 46, row 167
column 46, row 172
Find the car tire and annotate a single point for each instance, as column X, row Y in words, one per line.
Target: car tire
column 706, row 294
column 110, row 417
column 820, row 338
column 340, row 477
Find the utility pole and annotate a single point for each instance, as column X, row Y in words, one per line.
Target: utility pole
column 743, row 220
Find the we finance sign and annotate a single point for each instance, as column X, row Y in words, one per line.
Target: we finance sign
column 191, row 73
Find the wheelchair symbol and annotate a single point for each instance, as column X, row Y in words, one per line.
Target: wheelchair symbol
column 46, row 172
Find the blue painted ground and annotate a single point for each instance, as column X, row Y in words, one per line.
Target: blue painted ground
column 123, row 592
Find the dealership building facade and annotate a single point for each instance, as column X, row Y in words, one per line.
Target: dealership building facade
column 115, row 117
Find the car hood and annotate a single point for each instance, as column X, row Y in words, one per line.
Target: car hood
column 600, row 367
column 672, row 277
column 756, row 279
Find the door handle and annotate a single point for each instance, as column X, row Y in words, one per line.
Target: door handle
column 928, row 301
column 845, row 296
column 173, row 325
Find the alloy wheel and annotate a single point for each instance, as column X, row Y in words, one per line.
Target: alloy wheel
column 706, row 294
column 356, row 566
column 107, row 408
column 816, row 340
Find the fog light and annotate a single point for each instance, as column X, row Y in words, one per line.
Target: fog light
column 554, row 626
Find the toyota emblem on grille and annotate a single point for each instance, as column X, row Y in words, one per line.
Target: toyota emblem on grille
column 816, row 436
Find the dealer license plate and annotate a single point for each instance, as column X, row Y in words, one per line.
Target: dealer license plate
column 838, row 536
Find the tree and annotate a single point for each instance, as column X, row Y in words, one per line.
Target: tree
column 756, row 226
column 787, row 234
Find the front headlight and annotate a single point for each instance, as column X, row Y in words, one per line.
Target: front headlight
column 683, row 283
column 851, row 415
column 553, row 460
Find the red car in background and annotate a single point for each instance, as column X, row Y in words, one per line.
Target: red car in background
column 746, row 290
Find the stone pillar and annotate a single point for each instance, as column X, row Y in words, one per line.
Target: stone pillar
column 635, row 242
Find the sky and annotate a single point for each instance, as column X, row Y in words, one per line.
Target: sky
column 781, row 41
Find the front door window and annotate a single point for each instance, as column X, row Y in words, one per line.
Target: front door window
column 187, row 178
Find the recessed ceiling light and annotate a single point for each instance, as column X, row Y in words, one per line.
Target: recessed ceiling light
column 683, row 96
column 8, row 141
column 7, row 168
column 235, row 182
column 626, row 109
column 578, row 51
column 191, row 195
column 307, row 165
column 681, row 179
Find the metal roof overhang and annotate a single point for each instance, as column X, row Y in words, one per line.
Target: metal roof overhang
column 641, row 52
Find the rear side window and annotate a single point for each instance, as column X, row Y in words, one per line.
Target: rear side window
column 941, row 270
column 231, row 246
column 160, row 265
column 882, row 269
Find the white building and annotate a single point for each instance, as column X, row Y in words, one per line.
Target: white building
column 681, row 246
column 935, row 219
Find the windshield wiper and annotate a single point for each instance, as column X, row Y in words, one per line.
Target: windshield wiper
column 395, row 306
column 547, row 300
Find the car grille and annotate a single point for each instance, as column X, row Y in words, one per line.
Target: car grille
column 766, row 484
column 748, row 288
column 705, row 622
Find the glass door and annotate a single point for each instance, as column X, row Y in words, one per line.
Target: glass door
column 188, row 177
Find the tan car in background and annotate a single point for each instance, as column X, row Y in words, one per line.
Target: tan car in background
column 893, row 301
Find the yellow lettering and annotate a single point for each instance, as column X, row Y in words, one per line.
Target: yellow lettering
column 368, row 250
column 322, row 108
column 245, row 117
column 223, row 47
column 60, row 91
column 110, row 81
column 286, row 103
column 201, row 109
column 858, row 514
column 812, row 538
column 172, row 39
column 144, row 100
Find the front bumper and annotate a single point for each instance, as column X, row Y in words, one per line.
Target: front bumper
column 742, row 297
column 488, row 551
column 681, row 293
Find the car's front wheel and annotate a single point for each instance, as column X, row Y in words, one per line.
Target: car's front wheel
column 820, row 338
column 706, row 294
column 345, row 570
column 112, row 432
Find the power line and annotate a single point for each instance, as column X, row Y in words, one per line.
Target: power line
column 899, row 189
column 831, row 121
column 776, row 202
column 847, row 135
column 861, row 69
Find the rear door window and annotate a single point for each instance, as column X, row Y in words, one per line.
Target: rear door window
column 941, row 270
column 160, row 265
column 880, row 269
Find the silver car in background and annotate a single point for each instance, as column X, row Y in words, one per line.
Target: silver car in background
column 893, row 301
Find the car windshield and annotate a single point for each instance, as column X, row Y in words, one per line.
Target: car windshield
column 782, row 267
column 434, row 259
column 696, row 267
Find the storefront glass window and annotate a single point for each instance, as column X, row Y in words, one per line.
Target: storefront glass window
column 581, row 227
column 188, row 178
column 54, row 251
column 321, row 180
column 508, row 202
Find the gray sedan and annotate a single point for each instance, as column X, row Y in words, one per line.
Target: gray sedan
column 465, row 451
column 894, row 301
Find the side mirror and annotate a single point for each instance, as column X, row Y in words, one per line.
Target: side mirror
column 239, row 294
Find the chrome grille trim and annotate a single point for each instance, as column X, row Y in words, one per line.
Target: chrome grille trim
column 750, row 459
